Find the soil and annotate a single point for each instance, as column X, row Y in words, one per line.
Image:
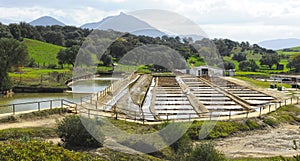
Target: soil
column 46, row 122
column 262, row 143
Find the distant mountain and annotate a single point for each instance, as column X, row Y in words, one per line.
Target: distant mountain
column 125, row 23
column 280, row 43
column 46, row 21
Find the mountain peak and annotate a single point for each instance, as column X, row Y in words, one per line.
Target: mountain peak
column 46, row 21
column 125, row 23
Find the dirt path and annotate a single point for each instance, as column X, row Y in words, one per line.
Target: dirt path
column 265, row 143
column 47, row 122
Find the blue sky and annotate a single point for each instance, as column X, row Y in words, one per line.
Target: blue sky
column 241, row 20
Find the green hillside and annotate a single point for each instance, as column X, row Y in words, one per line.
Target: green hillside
column 291, row 51
column 41, row 52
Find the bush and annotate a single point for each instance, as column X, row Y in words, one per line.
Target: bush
column 271, row 121
column 207, row 152
column 51, row 66
column 252, row 124
column 73, row 133
column 38, row 150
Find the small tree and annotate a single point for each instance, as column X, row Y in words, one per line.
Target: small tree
column 248, row 65
column 295, row 62
column 239, row 57
column 73, row 133
column 229, row 65
column 12, row 54
column 270, row 59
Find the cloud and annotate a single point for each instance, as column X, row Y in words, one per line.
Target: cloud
column 237, row 19
column 74, row 16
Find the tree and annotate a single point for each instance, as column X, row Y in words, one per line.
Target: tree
column 62, row 57
column 248, row 65
column 229, row 65
column 54, row 38
column 106, row 59
column 68, row 56
column 270, row 59
column 15, row 31
column 12, row 53
column 239, row 57
column 4, row 32
column 73, row 133
column 295, row 62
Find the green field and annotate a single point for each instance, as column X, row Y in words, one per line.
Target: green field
column 43, row 53
column 33, row 77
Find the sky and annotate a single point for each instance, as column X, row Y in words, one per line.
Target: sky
column 239, row 20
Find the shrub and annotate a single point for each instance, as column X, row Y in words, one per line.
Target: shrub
column 252, row 124
column 73, row 133
column 207, row 152
column 37, row 150
column 271, row 121
column 51, row 66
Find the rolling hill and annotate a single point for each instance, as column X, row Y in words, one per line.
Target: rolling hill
column 280, row 43
column 41, row 52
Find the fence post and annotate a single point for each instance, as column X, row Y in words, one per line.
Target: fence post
column 291, row 100
column 89, row 113
column 229, row 114
column 96, row 105
column 61, row 103
column 50, row 104
column 14, row 109
column 260, row 111
column 280, row 104
column 297, row 100
column 76, row 108
column 247, row 114
column 284, row 102
column 269, row 108
column 39, row 106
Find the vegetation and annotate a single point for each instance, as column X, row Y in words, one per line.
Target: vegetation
column 41, row 77
column 12, row 54
column 270, row 59
column 74, row 134
column 34, row 115
column 295, row 62
column 30, row 132
column 38, row 150
column 248, row 65
column 42, row 54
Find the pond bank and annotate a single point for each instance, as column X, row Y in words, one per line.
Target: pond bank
column 18, row 89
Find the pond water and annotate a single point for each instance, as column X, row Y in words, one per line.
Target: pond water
column 79, row 89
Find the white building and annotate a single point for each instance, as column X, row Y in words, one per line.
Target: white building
column 204, row 71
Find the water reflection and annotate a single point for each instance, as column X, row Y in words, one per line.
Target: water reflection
column 79, row 89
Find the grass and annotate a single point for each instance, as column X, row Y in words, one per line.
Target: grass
column 34, row 115
column 261, row 84
column 285, row 114
column 196, row 61
column 251, row 74
column 33, row 77
column 43, row 53
column 32, row 132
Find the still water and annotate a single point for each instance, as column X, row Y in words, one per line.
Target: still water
column 79, row 89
